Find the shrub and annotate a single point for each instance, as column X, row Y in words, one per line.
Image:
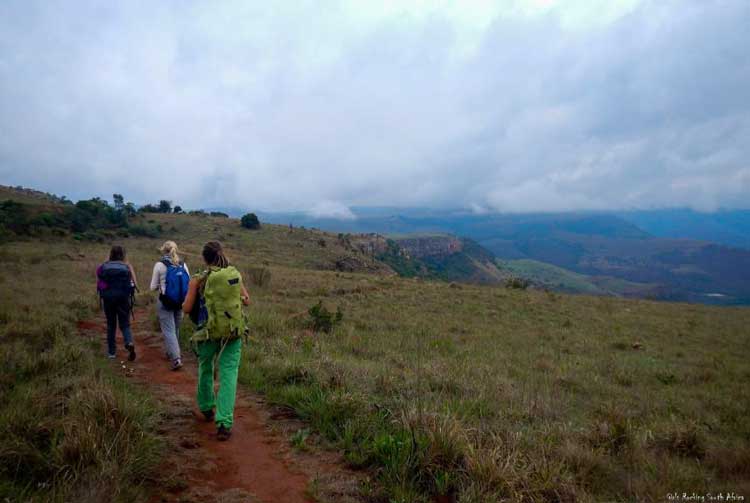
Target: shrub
column 145, row 231
column 259, row 276
column 517, row 283
column 323, row 320
column 219, row 214
column 149, row 208
column 250, row 221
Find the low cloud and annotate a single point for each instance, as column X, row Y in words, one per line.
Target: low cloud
column 331, row 209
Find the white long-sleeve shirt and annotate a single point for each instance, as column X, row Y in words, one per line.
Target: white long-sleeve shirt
column 159, row 276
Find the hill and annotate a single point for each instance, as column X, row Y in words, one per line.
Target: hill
column 435, row 256
column 477, row 392
column 726, row 227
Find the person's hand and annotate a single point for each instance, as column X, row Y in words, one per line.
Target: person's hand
column 245, row 300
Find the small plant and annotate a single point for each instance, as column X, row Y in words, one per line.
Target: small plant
column 250, row 221
column 323, row 320
column 517, row 283
column 299, row 439
column 259, row 276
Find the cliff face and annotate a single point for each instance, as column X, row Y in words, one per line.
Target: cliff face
column 432, row 247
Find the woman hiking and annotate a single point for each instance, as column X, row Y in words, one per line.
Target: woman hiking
column 170, row 277
column 214, row 301
column 116, row 284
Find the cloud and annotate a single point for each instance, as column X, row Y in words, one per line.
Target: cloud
column 521, row 106
column 331, row 209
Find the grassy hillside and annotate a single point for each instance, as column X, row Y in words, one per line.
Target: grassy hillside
column 482, row 392
column 563, row 280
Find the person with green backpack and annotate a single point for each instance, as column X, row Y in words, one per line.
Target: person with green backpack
column 214, row 302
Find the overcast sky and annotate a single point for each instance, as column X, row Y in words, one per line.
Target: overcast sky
column 518, row 105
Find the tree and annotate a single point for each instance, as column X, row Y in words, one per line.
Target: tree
column 250, row 221
column 177, row 209
column 165, row 206
column 149, row 208
column 119, row 201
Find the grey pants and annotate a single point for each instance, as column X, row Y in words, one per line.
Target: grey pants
column 170, row 329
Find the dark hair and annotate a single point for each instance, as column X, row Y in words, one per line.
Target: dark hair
column 117, row 253
column 213, row 254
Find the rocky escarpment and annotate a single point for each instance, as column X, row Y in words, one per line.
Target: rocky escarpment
column 432, row 247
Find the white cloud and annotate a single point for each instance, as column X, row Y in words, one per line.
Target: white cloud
column 331, row 209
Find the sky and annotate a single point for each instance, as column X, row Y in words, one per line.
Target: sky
column 318, row 106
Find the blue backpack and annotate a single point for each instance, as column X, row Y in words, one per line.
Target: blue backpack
column 176, row 287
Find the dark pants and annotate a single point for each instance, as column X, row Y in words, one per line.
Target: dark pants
column 117, row 310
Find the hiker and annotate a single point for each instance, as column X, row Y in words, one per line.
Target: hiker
column 171, row 278
column 214, row 302
column 116, row 284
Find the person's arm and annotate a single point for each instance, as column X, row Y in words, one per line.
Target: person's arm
column 191, row 296
column 155, row 280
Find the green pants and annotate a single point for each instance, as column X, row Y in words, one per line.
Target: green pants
column 227, row 354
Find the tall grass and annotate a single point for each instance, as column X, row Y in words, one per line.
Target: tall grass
column 71, row 429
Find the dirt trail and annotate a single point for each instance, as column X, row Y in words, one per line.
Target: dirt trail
column 255, row 465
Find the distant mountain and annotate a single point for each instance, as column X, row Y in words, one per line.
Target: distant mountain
column 608, row 248
column 730, row 228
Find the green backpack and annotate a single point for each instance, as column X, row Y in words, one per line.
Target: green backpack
column 223, row 304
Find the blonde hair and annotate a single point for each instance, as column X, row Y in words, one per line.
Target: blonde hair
column 170, row 248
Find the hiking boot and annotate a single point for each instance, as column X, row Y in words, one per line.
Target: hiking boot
column 177, row 364
column 131, row 352
column 223, row 433
column 111, row 357
column 208, row 414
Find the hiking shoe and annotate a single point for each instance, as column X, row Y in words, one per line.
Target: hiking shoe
column 223, row 433
column 208, row 414
column 111, row 357
column 177, row 364
column 131, row 351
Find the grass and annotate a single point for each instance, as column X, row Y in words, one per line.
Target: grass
column 482, row 393
column 563, row 280
column 71, row 429
column 496, row 393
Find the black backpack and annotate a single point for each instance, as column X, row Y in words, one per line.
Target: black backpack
column 116, row 275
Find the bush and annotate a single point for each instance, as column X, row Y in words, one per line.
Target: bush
column 323, row 320
column 250, row 221
column 259, row 276
column 149, row 208
column 145, row 231
column 219, row 214
column 517, row 283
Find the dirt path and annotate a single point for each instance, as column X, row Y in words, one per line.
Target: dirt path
column 255, row 465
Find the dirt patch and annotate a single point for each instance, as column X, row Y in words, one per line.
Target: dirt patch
column 255, row 465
